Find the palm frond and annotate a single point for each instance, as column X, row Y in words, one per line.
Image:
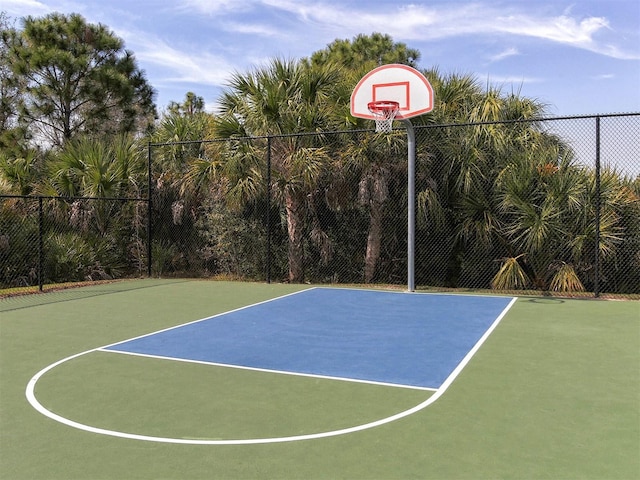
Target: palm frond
column 565, row 279
column 430, row 210
column 511, row 275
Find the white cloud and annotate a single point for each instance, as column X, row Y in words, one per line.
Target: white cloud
column 509, row 52
column 195, row 66
column 563, row 30
column 604, row 76
column 252, row 29
column 445, row 20
column 24, row 7
column 560, row 29
column 210, row 7
column 500, row 80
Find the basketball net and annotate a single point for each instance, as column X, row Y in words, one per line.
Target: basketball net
column 384, row 112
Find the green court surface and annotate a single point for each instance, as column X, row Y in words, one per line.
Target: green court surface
column 553, row 393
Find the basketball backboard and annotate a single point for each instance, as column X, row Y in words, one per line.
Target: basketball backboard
column 395, row 83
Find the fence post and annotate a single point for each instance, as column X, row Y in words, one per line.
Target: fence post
column 411, row 204
column 268, row 273
column 149, row 209
column 596, row 266
column 40, row 245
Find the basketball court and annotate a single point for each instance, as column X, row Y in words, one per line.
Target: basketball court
column 391, row 339
column 201, row 379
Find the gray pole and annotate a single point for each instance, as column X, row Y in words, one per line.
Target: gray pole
column 268, row 209
column 411, row 199
column 596, row 264
column 149, row 211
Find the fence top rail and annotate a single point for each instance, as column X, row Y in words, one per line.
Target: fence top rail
column 259, row 137
column 530, row 120
column 62, row 197
column 438, row 125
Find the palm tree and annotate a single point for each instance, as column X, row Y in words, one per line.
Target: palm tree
column 284, row 97
column 177, row 201
column 459, row 199
column 94, row 236
column 18, row 175
column 373, row 159
column 541, row 194
column 618, row 238
column 97, row 169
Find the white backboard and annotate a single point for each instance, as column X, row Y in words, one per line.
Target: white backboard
column 397, row 83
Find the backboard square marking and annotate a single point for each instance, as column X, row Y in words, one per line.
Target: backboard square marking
column 396, row 92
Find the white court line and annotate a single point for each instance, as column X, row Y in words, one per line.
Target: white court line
column 30, row 394
column 267, row 370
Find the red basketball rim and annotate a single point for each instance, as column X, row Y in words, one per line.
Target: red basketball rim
column 384, row 107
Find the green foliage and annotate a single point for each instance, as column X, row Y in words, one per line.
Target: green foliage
column 366, row 50
column 285, row 97
column 12, row 134
column 18, row 236
column 165, row 258
column 192, row 105
column 97, row 168
column 235, row 243
column 21, row 174
column 74, row 257
column 74, row 77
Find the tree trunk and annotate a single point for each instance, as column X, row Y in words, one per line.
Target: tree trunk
column 295, row 227
column 374, row 192
column 374, row 239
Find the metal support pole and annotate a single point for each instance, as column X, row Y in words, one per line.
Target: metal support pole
column 40, row 245
column 596, row 266
column 411, row 204
column 268, row 209
column 149, row 210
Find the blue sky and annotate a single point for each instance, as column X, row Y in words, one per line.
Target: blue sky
column 578, row 57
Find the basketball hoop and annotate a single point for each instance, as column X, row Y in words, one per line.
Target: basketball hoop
column 384, row 112
column 399, row 85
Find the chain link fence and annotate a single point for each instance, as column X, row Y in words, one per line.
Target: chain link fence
column 547, row 206
column 50, row 241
